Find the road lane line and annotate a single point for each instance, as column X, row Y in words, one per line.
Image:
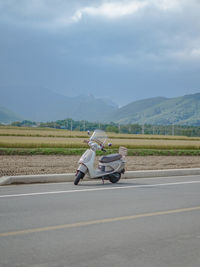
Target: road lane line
column 90, row 181
column 101, row 221
column 98, row 189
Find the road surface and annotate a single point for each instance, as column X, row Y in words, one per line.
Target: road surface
column 140, row 222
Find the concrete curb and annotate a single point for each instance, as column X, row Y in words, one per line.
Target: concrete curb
column 41, row 178
column 69, row 177
column 161, row 173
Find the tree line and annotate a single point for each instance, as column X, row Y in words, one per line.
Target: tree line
column 83, row 125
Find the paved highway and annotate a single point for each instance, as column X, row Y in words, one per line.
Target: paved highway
column 140, row 222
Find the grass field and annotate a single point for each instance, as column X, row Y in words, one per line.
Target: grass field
column 79, row 151
column 50, row 132
column 43, row 141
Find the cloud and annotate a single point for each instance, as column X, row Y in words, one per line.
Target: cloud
column 105, row 43
column 110, row 10
column 196, row 52
column 60, row 13
column 167, row 4
column 114, row 10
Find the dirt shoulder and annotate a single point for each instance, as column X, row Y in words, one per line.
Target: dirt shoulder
column 42, row 164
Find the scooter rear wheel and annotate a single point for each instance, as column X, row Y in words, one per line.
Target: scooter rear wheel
column 114, row 177
column 78, row 177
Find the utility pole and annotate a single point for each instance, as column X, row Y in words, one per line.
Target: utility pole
column 142, row 128
column 119, row 128
column 84, row 126
column 173, row 129
column 71, row 125
column 142, row 123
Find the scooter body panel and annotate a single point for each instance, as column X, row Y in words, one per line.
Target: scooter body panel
column 114, row 166
column 87, row 159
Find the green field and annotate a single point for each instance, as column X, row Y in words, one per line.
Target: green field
column 19, row 140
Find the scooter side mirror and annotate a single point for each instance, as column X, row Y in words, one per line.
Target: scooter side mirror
column 109, row 144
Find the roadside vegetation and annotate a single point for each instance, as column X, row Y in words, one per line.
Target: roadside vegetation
column 79, row 151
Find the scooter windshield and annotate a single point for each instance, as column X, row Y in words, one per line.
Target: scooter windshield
column 99, row 137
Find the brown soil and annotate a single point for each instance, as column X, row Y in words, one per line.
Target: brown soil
column 18, row 165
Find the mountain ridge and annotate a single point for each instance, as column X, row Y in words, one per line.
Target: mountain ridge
column 8, row 116
column 41, row 104
column 159, row 110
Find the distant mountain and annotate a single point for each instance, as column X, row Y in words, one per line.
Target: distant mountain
column 183, row 110
column 40, row 104
column 7, row 116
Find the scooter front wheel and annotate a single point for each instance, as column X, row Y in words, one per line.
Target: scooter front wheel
column 78, row 177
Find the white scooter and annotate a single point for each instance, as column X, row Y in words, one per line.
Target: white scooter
column 110, row 167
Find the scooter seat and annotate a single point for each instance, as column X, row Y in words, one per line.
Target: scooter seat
column 110, row 158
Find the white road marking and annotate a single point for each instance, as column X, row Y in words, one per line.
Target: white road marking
column 98, row 189
column 92, row 181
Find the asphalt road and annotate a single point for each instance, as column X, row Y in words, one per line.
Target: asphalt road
column 141, row 222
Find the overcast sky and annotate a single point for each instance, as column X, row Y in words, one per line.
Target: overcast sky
column 121, row 49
